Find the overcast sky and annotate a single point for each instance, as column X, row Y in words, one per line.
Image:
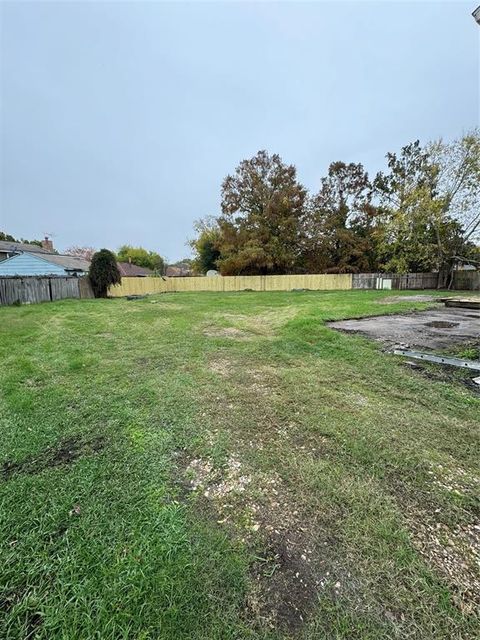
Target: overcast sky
column 120, row 120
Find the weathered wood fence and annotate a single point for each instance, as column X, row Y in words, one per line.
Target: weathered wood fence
column 466, row 280
column 398, row 281
column 31, row 289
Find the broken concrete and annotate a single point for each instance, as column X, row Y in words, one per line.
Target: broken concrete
column 463, row 303
column 431, row 329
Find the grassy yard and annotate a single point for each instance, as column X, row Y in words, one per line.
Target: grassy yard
column 225, row 466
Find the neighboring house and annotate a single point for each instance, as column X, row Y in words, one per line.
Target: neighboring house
column 42, row 263
column 179, row 270
column 9, row 249
column 129, row 270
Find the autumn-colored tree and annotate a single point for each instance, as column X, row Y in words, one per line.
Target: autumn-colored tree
column 421, row 214
column 263, row 217
column 141, row 257
column 103, row 272
column 342, row 219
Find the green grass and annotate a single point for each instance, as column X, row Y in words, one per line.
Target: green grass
column 225, row 466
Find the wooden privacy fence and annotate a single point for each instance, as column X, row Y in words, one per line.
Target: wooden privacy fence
column 31, row 289
column 45, row 289
column 466, row 280
column 463, row 280
column 142, row 286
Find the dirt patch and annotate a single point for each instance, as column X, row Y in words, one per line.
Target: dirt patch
column 289, row 568
column 34, row 621
column 415, row 298
column 432, row 329
column 168, row 306
column 65, row 453
column 264, row 324
column 255, row 380
column 269, row 322
column 444, row 373
column 283, row 583
column 221, row 366
column 226, row 332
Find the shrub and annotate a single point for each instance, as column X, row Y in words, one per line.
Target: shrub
column 103, row 272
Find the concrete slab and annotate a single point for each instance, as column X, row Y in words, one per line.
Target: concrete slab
column 463, row 303
column 431, row 329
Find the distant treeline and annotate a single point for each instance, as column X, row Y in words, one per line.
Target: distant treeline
column 422, row 213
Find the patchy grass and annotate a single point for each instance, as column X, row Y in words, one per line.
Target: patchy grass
column 215, row 466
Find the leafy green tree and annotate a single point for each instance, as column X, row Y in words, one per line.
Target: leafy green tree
column 141, row 257
column 458, row 190
column 430, row 200
column 103, row 272
column 458, row 180
column 6, row 237
column 263, row 217
column 9, row 238
column 206, row 244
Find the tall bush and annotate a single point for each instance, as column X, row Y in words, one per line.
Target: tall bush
column 103, row 272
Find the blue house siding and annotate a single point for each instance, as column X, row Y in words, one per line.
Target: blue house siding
column 25, row 264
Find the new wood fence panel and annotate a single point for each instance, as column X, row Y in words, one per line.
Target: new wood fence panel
column 317, row 282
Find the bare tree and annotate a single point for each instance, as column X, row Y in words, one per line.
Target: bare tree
column 458, row 181
column 81, row 252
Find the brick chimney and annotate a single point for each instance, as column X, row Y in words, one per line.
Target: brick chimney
column 47, row 244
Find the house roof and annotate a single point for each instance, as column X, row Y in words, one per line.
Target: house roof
column 69, row 263
column 9, row 247
column 32, row 263
column 131, row 270
column 28, row 263
column 178, row 270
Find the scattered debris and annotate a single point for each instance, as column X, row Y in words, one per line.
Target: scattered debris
column 430, row 357
column 290, row 565
column 454, row 551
